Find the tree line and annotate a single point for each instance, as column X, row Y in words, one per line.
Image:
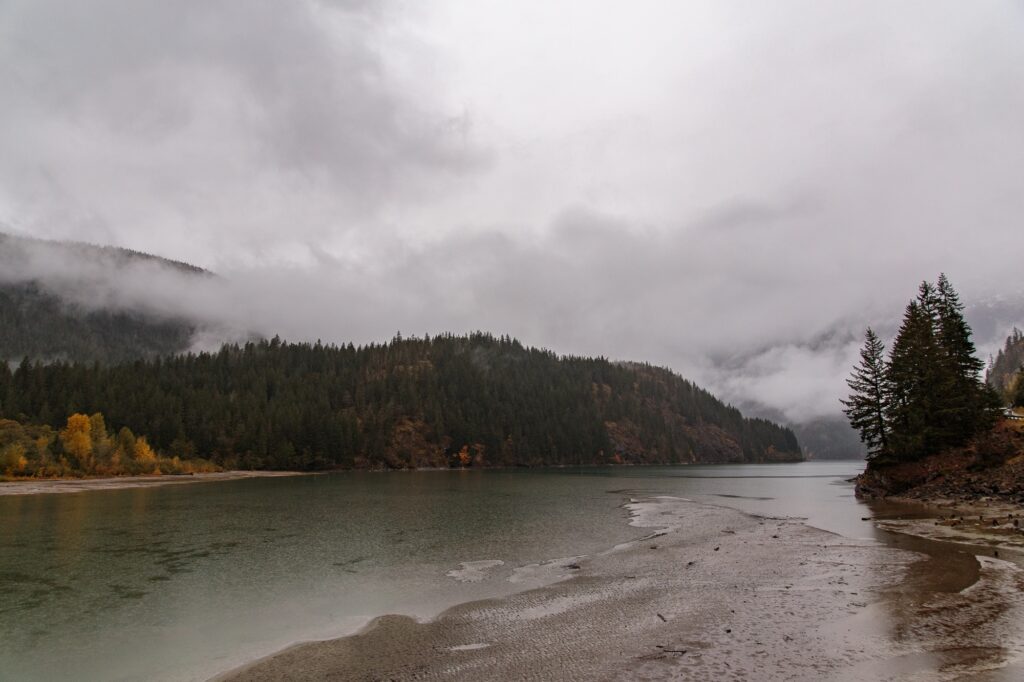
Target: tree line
column 927, row 395
column 474, row 400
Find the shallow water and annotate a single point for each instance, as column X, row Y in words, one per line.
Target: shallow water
column 182, row 582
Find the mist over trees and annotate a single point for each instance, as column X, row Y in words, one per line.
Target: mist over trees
column 57, row 303
column 37, row 324
column 443, row 401
column 927, row 395
column 1006, row 371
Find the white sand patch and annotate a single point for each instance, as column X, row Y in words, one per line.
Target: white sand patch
column 469, row 647
column 663, row 512
column 547, row 572
column 473, row 571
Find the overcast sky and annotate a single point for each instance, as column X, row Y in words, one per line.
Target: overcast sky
column 732, row 189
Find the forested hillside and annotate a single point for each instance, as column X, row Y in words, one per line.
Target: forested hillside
column 446, row 401
column 1006, row 371
column 42, row 321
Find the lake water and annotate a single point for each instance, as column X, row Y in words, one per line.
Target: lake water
column 183, row 582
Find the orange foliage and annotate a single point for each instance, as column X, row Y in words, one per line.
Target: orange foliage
column 143, row 454
column 77, row 440
column 83, row 447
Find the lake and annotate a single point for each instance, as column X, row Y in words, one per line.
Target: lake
column 183, row 582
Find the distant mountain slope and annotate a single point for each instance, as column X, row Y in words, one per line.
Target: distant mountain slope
column 55, row 304
column 821, row 438
column 476, row 400
column 1003, row 371
column 12, row 246
column 828, row 438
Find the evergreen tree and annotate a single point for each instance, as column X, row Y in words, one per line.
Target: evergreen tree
column 914, row 379
column 869, row 401
column 967, row 398
column 933, row 398
column 928, row 301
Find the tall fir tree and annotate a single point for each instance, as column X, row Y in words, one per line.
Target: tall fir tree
column 969, row 400
column 915, row 382
column 928, row 300
column 869, row 401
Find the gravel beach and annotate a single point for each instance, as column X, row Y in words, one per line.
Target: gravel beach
column 78, row 485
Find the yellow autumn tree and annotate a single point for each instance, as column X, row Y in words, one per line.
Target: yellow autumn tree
column 77, row 441
column 144, row 455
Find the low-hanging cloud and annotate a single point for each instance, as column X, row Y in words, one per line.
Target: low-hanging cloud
column 731, row 190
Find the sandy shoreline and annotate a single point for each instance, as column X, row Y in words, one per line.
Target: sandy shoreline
column 718, row 595
column 77, row 485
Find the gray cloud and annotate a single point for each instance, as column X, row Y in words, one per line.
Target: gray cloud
column 202, row 128
column 731, row 190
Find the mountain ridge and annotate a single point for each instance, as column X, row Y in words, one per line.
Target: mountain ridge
column 474, row 400
column 46, row 312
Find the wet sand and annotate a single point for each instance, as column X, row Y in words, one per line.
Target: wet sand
column 991, row 527
column 78, row 485
column 718, row 594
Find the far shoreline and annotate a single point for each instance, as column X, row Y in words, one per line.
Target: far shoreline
column 44, row 486
column 51, row 486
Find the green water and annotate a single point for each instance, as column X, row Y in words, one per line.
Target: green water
column 183, row 582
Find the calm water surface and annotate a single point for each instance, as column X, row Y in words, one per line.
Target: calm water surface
column 182, row 582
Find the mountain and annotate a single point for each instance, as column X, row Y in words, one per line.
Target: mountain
column 58, row 301
column 434, row 402
column 820, row 438
column 827, row 438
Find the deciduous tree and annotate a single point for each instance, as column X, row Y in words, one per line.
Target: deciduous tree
column 76, row 439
